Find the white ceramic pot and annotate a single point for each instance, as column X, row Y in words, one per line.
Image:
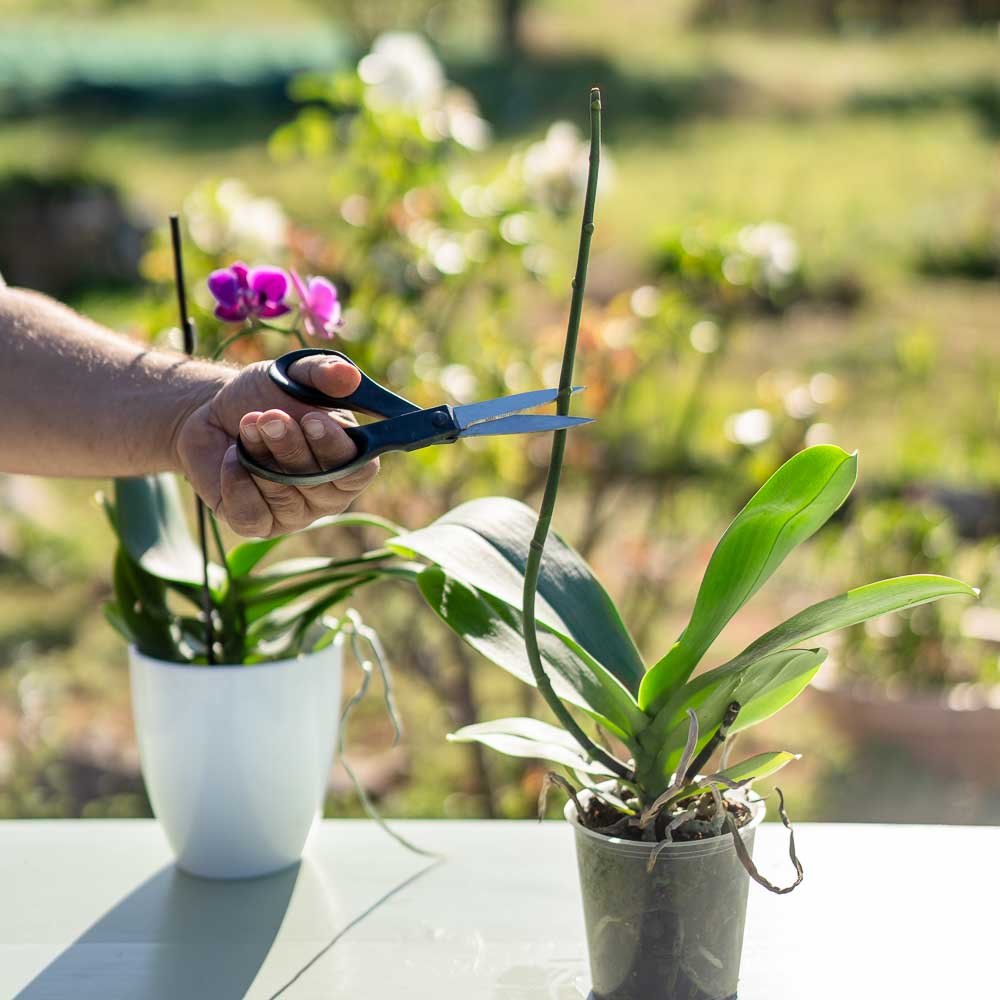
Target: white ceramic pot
column 236, row 758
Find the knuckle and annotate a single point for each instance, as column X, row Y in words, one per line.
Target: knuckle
column 252, row 526
column 329, row 501
column 287, row 504
column 302, row 370
column 301, row 454
column 357, row 481
column 294, row 451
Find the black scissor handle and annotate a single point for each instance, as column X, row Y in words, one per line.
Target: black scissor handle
column 369, row 397
column 405, row 433
column 408, row 427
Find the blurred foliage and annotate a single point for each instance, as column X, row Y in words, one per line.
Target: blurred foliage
column 846, row 15
column 757, row 267
column 66, row 231
column 971, row 250
column 924, row 648
column 455, row 262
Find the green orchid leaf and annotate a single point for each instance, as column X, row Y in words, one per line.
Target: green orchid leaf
column 287, row 569
column 761, row 688
column 301, row 613
column 141, row 611
column 245, row 556
column 484, row 544
column 530, row 738
column 763, row 765
column 257, row 604
column 791, row 506
column 760, row 766
column 851, row 608
column 151, row 524
column 295, row 569
column 493, row 628
column 114, row 617
column 264, row 603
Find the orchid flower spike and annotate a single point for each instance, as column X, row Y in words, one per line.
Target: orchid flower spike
column 321, row 313
column 248, row 293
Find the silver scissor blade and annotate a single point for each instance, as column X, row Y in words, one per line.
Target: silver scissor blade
column 524, row 423
column 473, row 413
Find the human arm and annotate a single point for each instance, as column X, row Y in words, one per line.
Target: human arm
column 83, row 401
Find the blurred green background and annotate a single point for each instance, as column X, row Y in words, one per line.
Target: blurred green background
column 798, row 241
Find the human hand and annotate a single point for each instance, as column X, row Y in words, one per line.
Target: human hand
column 276, row 430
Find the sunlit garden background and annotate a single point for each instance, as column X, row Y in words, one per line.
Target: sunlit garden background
column 798, row 241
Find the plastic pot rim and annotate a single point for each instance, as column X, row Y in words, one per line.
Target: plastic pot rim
column 680, row 850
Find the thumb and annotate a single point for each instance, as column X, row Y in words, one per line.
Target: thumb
column 332, row 376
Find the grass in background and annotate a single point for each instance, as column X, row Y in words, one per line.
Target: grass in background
column 869, row 148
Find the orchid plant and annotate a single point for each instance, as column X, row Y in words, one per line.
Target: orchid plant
column 173, row 603
column 638, row 738
column 170, row 599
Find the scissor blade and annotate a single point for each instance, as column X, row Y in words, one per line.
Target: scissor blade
column 474, row 413
column 524, row 423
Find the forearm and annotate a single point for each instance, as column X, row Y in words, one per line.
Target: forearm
column 80, row 400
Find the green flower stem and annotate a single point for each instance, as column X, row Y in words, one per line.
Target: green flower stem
column 229, row 341
column 250, row 330
column 534, row 562
column 286, row 330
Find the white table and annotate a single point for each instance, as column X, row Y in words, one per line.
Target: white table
column 94, row 910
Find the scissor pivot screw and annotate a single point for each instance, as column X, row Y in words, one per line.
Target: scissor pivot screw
column 440, row 420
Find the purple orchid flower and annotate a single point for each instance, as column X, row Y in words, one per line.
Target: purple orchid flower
column 320, row 306
column 248, row 293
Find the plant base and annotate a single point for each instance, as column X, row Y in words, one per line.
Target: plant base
column 675, row 933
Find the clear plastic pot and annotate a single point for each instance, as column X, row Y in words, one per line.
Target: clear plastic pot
column 675, row 933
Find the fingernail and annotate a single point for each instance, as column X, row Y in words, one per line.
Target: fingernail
column 230, row 455
column 274, row 429
column 250, row 432
column 314, row 428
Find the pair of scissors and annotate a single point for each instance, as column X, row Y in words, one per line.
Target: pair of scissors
column 404, row 425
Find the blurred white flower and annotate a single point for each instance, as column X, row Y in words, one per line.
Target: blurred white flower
column 449, row 256
column 518, row 228
column 749, row 428
column 459, row 382
column 226, row 215
column 538, row 259
column 555, row 169
column 645, row 301
column 354, row 210
column 401, row 71
column 619, row 333
column 799, row 403
column 518, row 376
column 820, row 434
column 823, row 387
column 426, row 366
column 736, row 269
column 462, row 121
column 775, row 248
column 705, row 336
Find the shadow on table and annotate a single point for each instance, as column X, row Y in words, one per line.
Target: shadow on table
column 204, row 939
